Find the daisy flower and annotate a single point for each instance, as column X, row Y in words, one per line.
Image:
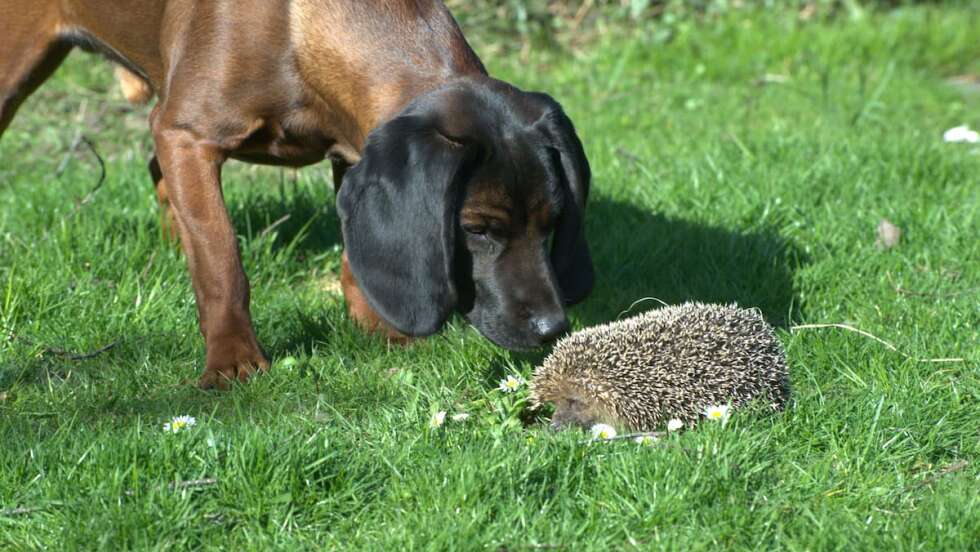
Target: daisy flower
column 961, row 134
column 179, row 423
column 719, row 413
column 511, row 384
column 461, row 417
column 603, row 431
column 674, row 424
column 645, row 439
column 438, row 419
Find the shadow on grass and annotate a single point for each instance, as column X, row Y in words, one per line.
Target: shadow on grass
column 638, row 255
column 305, row 221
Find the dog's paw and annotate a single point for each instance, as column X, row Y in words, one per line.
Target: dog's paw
column 236, row 364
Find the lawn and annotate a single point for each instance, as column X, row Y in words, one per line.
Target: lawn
column 742, row 156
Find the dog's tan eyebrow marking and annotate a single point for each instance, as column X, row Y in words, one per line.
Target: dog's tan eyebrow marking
column 486, row 212
column 487, row 200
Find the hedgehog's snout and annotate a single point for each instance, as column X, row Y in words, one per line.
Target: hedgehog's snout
column 572, row 413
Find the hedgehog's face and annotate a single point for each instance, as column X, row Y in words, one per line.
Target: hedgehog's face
column 573, row 412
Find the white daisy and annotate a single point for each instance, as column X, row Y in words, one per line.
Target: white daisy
column 719, row 413
column 603, row 431
column 645, row 439
column 674, row 424
column 511, row 384
column 179, row 423
column 438, row 419
column 961, row 134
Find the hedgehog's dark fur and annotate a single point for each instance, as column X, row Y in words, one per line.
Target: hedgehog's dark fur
column 667, row 363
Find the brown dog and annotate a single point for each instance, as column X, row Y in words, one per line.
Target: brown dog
column 456, row 182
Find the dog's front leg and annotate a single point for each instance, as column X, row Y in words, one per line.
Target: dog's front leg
column 192, row 170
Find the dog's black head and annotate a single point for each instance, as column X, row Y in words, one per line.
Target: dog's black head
column 471, row 199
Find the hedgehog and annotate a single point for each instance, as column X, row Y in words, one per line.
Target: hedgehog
column 666, row 363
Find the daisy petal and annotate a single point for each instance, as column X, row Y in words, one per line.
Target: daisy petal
column 511, row 384
column 603, row 431
column 437, row 419
column 718, row 413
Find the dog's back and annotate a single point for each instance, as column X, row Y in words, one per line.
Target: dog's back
column 371, row 55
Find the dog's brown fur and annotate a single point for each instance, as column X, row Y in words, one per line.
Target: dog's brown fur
column 134, row 88
column 270, row 81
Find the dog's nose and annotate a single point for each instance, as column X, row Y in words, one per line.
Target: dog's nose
column 548, row 328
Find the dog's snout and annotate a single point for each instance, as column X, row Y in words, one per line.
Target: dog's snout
column 550, row 327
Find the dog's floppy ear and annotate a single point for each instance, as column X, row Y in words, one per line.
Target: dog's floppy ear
column 397, row 211
column 569, row 249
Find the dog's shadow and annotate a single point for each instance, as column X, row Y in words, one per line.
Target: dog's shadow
column 639, row 254
column 302, row 218
column 642, row 258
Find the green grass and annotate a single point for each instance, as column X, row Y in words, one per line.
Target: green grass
column 710, row 184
